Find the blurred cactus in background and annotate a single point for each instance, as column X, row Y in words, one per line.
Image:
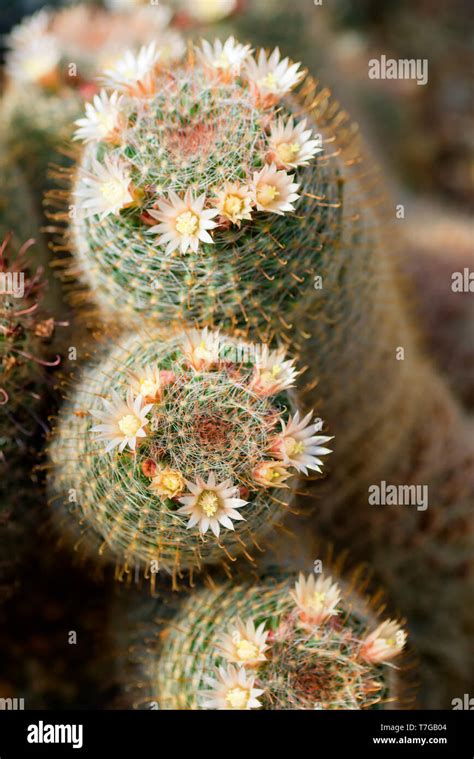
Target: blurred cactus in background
column 51, row 65
column 179, row 451
column 440, row 255
column 279, row 642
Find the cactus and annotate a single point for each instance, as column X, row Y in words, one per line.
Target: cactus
column 51, row 65
column 179, row 448
column 215, row 137
column 279, row 642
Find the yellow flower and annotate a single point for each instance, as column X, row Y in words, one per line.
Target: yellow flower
column 167, row 483
column 234, row 202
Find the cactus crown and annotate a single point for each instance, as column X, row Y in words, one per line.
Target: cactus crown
column 275, row 644
column 201, row 179
column 180, row 447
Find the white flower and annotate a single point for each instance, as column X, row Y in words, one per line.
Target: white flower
column 184, row 222
column 122, row 421
column 274, row 191
column 234, row 202
column 211, row 505
column 103, row 117
column 298, row 446
column 384, row 643
column 244, row 644
column 272, row 372
column 225, row 58
column 106, row 189
column 208, row 11
column 317, row 600
column 201, row 348
column 270, row 474
column 290, row 145
column 167, row 483
column 272, row 77
column 132, row 73
column 148, row 383
column 34, row 51
column 232, row 688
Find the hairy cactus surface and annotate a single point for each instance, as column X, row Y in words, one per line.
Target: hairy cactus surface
column 196, row 148
column 180, row 450
column 280, row 642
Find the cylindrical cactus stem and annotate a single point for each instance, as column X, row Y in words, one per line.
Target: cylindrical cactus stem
column 177, row 451
column 277, row 642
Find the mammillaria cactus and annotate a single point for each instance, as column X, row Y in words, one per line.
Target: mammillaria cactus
column 280, row 642
column 201, row 150
column 180, row 449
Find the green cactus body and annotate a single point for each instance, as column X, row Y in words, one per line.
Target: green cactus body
column 301, row 641
column 207, row 414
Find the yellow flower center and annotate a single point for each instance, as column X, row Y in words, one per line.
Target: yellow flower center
column 129, row 425
column 222, row 62
column 292, row 446
column 237, row 698
column 233, row 206
column 202, row 352
column 113, row 191
column 287, row 151
column 269, row 376
column 317, row 600
column 106, row 121
column 187, row 223
column 208, row 502
column 246, row 650
column 172, row 481
column 266, row 194
column 148, row 388
column 269, row 81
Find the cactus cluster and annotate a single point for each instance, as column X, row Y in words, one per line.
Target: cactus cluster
column 181, row 450
column 280, row 642
column 208, row 145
